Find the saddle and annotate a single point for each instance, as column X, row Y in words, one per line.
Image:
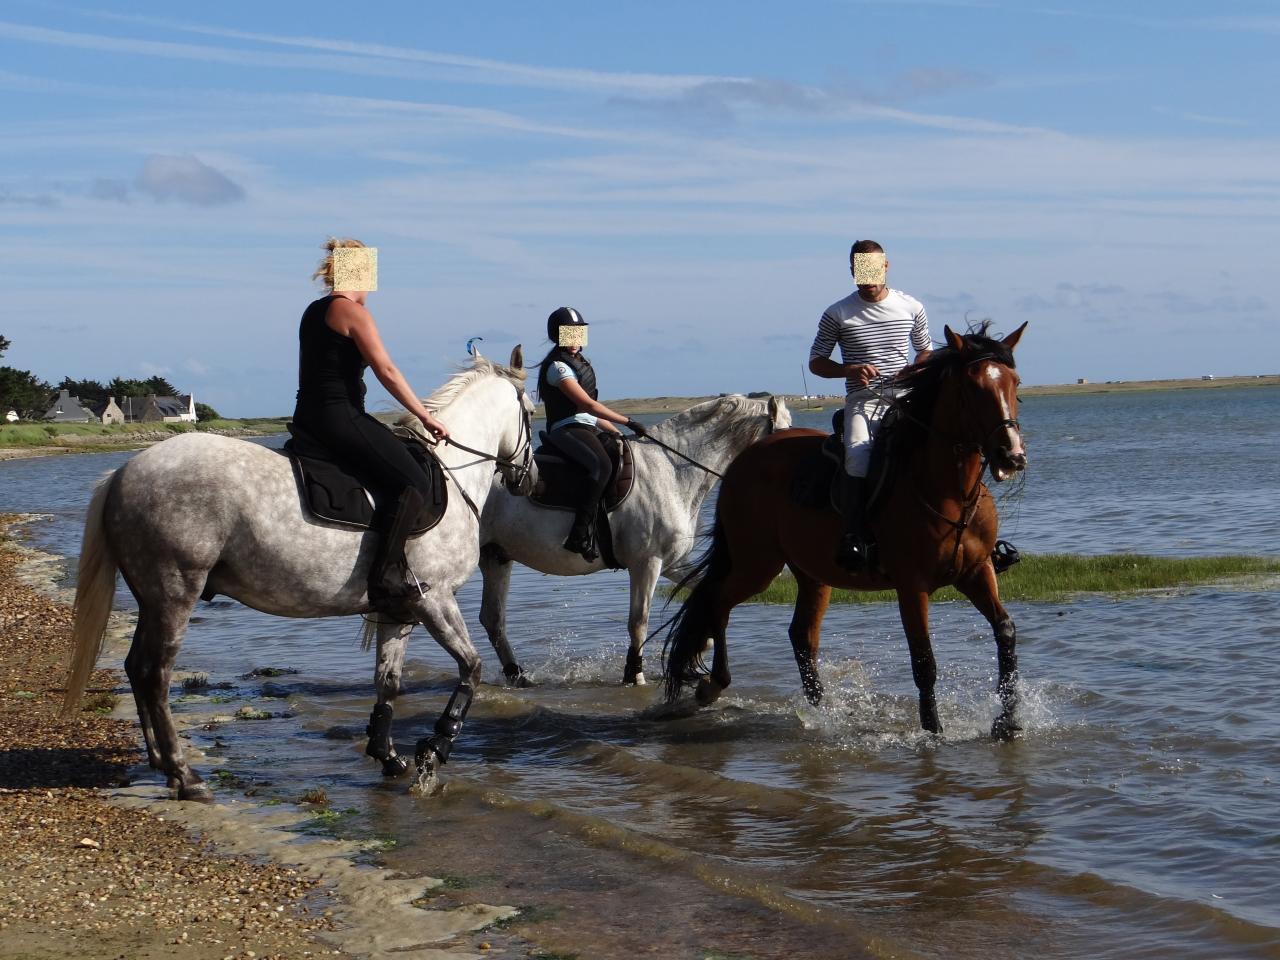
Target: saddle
column 817, row 481
column 332, row 494
column 562, row 484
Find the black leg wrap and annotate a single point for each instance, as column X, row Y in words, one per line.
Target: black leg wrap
column 515, row 675
column 450, row 722
column 1006, row 725
column 635, row 666
column 379, row 733
column 433, row 746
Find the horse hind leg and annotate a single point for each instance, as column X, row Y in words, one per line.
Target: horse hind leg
column 805, row 631
column 155, row 648
column 743, row 582
column 138, row 668
column 495, row 573
column 644, row 577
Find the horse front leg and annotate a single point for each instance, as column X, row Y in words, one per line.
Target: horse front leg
column 984, row 593
column 644, row 577
column 495, row 573
column 805, row 631
column 393, row 640
column 913, row 607
column 446, row 624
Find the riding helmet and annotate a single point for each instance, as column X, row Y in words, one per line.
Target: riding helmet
column 563, row 317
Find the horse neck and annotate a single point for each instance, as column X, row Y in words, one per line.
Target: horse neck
column 713, row 444
column 952, row 466
column 481, row 419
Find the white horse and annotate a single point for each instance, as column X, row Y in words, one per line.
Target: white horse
column 654, row 528
column 199, row 515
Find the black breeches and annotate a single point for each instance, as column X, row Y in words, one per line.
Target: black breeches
column 582, row 445
column 369, row 452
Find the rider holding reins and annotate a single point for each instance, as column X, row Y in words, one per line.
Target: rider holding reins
column 575, row 416
column 876, row 327
column 337, row 340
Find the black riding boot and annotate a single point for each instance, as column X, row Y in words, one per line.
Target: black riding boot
column 854, row 552
column 582, row 536
column 393, row 589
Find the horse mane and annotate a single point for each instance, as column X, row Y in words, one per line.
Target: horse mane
column 923, row 382
column 699, row 414
column 458, row 382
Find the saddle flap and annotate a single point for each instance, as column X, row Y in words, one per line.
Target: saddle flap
column 330, row 493
column 561, row 481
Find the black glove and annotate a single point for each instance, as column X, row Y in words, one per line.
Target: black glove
column 636, row 427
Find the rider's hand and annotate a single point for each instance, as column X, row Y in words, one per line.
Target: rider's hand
column 636, row 427
column 862, row 372
column 435, row 427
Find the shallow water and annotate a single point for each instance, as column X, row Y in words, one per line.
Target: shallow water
column 1136, row 817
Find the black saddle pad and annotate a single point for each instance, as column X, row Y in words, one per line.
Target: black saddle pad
column 330, row 493
column 816, row 483
column 562, row 483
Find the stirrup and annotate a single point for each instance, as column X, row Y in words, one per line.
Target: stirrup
column 1004, row 556
column 854, row 554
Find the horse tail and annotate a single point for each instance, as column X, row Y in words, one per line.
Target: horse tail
column 693, row 623
column 95, row 594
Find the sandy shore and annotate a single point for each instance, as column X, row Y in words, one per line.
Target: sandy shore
column 96, row 865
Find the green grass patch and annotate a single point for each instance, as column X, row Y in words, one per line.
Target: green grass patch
column 1058, row 576
column 30, row 434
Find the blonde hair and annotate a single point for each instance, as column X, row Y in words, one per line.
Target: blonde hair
column 324, row 272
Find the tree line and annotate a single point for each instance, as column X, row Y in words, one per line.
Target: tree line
column 31, row 397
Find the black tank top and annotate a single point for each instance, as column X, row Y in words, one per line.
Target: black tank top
column 330, row 367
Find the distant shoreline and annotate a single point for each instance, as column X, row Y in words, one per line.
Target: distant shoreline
column 668, row 405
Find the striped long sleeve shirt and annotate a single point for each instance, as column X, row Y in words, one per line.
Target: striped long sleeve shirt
column 883, row 333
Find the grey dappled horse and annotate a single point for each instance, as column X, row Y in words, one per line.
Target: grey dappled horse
column 204, row 514
column 653, row 529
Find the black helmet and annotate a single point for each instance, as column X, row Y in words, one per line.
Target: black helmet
column 563, row 317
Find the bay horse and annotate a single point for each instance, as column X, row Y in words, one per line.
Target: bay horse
column 934, row 524
column 200, row 515
column 654, row 528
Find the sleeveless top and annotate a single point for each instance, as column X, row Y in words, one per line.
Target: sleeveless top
column 558, row 406
column 330, row 367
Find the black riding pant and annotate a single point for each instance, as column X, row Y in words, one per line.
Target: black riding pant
column 581, row 444
column 369, row 452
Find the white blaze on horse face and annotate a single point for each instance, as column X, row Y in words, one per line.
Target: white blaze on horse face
column 869, row 268
column 996, row 374
column 355, row 269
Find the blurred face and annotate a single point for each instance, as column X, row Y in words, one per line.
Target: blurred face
column 355, row 270
column 870, row 271
column 572, row 337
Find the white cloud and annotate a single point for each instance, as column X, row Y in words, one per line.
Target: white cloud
column 188, row 180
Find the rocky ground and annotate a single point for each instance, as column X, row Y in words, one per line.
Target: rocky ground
column 82, row 877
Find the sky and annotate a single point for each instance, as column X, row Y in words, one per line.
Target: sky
column 688, row 175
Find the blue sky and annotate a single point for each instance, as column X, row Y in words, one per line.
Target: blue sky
column 688, row 175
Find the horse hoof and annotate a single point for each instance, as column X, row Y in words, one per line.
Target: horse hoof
column 516, row 677
column 707, row 692
column 196, row 792
column 637, row 681
column 1005, row 730
column 394, row 766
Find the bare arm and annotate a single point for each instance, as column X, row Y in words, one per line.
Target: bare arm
column 605, row 417
column 352, row 320
column 826, row 367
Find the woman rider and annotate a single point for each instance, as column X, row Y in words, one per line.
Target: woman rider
column 337, row 340
column 567, row 387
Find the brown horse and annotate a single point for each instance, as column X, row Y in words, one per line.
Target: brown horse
column 935, row 524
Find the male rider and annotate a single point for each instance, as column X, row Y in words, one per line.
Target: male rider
column 876, row 327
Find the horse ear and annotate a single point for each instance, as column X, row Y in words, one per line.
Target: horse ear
column 773, row 408
column 954, row 340
column 1012, row 339
column 517, row 357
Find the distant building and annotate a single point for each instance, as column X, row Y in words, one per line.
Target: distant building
column 1082, row 380
column 165, row 409
column 12, row 416
column 108, row 412
column 68, row 409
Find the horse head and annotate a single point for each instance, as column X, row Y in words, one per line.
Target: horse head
column 988, row 397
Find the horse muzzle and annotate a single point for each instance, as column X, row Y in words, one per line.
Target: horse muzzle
column 1005, row 463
